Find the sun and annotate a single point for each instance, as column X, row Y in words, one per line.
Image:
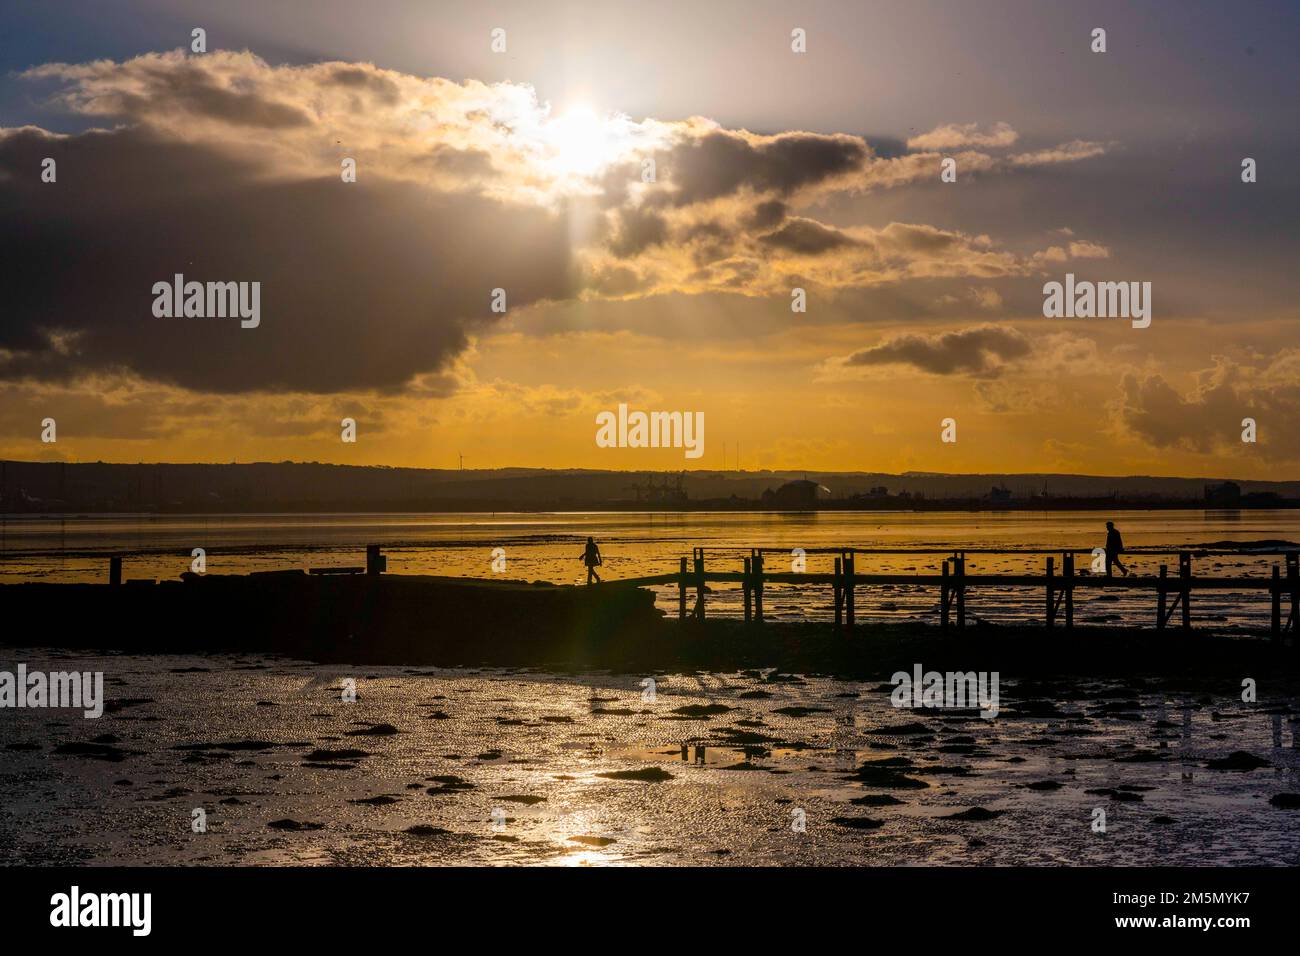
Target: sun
column 580, row 141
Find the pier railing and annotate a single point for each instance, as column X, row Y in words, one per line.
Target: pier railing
column 1173, row 593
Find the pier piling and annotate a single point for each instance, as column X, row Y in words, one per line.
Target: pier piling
column 1293, row 583
column 848, row 590
column 1068, row 567
column 681, row 593
column 837, row 586
column 1051, row 605
column 748, row 586
column 699, row 584
column 1275, row 617
column 945, row 601
column 1162, row 614
column 959, row 565
column 1185, row 587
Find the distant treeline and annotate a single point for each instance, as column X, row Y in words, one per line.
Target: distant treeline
column 59, row 487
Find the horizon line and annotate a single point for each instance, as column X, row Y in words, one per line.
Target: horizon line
column 663, row 471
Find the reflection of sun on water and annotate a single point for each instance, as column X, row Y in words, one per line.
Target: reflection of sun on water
column 584, row 858
column 573, row 836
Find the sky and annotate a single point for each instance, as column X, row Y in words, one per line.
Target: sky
column 665, row 287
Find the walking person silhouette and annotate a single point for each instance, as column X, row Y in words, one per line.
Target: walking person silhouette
column 1114, row 548
column 591, row 557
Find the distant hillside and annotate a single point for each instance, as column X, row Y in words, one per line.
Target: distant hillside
column 302, row 486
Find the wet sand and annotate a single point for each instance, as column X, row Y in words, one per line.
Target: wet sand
column 583, row 771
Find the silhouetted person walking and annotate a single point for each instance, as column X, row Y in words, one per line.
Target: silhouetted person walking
column 1114, row 548
column 591, row 557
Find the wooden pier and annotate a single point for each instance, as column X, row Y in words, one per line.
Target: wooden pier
column 1173, row 594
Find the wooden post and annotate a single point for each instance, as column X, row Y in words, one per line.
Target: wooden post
column 758, row 586
column 682, row 580
column 1185, row 587
column 961, row 590
column 838, row 588
column 944, row 600
column 1051, row 605
column 699, row 583
column 1293, row 582
column 1163, row 585
column 749, row 610
column 376, row 563
column 1068, row 561
column 115, row 570
column 1275, row 591
column 849, row 571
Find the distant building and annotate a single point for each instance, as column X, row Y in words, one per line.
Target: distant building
column 999, row 493
column 796, row 494
column 664, row 493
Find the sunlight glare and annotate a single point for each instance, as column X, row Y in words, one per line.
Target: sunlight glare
column 582, row 142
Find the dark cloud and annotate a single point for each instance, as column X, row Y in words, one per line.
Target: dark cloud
column 708, row 242
column 721, row 163
column 918, row 240
column 191, row 88
column 1208, row 418
column 1154, row 410
column 364, row 285
column 707, row 231
column 638, row 230
column 980, row 350
column 767, row 214
column 806, row 237
column 364, row 77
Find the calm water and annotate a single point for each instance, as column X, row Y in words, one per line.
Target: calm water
column 239, row 737
column 546, row 547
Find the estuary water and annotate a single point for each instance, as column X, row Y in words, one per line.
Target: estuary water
column 547, row 546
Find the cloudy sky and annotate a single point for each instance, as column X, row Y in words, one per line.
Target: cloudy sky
column 525, row 170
